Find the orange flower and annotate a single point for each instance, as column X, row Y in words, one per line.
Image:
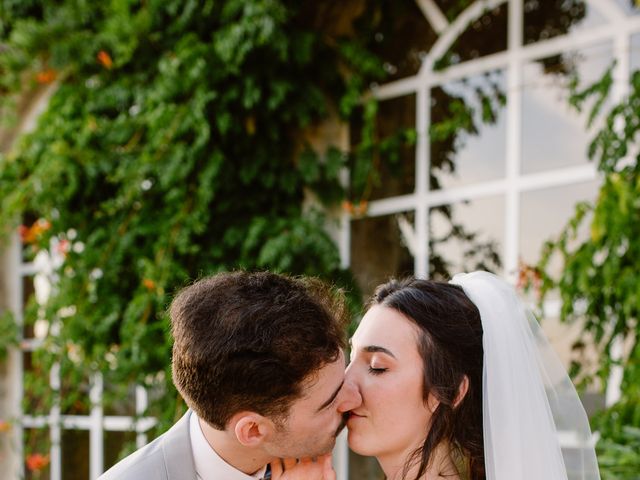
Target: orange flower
column 37, row 461
column 355, row 209
column 46, row 76
column 529, row 276
column 105, row 59
column 23, row 231
column 149, row 284
column 361, row 207
column 32, row 234
column 4, row 426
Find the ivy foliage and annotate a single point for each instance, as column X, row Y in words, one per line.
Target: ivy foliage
column 599, row 281
column 619, row 446
column 175, row 145
column 9, row 333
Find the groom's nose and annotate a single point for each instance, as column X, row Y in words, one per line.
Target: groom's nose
column 350, row 397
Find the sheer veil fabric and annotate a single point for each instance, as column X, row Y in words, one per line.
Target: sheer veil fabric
column 528, row 398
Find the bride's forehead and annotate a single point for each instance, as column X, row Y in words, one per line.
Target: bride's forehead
column 382, row 322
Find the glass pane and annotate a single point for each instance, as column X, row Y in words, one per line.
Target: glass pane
column 468, row 131
column 379, row 250
column 36, row 453
column 563, row 337
column 629, row 6
column 450, row 9
column 554, row 134
column 484, row 36
column 74, row 396
column 466, row 236
column 36, row 400
column 635, row 51
column 75, row 454
column 120, row 399
column 27, row 293
column 402, row 37
column 543, row 214
column 391, row 171
column 116, row 446
column 544, row 20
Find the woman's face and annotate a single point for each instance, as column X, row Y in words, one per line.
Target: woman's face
column 387, row 368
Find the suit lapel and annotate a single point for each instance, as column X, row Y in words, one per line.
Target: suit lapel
column 177, row 452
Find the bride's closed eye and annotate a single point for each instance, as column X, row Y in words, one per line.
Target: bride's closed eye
column 376, row 370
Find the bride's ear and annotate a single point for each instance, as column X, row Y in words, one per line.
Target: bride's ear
column 463, row 388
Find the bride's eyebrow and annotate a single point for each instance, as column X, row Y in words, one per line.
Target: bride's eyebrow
column 378, row 348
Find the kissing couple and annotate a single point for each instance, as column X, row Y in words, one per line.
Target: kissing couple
column 446, row 380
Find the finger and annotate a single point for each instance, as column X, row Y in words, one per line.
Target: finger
column 328, row 473
column 289, row 463
column 276, row 469
column 306, row 461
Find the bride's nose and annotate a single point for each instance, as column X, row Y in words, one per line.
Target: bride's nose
column 351, row 396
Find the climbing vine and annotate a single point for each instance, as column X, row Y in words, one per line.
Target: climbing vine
column 176, row 144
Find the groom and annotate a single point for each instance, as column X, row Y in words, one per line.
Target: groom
column 258, row 358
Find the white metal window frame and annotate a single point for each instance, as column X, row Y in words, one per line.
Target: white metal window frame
column 96, row 423
column 618, row 29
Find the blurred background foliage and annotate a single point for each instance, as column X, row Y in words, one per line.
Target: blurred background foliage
column 599, row 283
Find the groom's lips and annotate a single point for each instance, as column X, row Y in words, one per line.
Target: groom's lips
column 343, row 423
column 354, row 415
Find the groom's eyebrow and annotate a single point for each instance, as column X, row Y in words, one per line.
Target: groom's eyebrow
column 378, row 348
column 332, row 398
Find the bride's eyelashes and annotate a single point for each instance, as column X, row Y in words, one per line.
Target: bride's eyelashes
column 376, row 371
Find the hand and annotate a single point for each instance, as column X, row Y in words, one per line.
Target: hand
column 303, row 469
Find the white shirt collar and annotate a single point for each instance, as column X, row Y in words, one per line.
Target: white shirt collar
column 209, row 465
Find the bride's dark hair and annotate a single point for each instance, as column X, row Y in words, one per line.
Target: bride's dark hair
column 450, row 345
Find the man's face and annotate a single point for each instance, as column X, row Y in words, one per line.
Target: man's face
column 316, row 418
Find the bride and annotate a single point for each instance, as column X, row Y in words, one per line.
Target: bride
column 458, row 382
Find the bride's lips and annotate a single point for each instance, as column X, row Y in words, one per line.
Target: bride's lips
column 355, row 416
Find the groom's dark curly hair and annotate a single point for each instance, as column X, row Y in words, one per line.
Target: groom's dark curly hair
column 450, row 345
column 250, row 341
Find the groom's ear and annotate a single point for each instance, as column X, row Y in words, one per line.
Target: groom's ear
column 250, row 428
column 463, row 388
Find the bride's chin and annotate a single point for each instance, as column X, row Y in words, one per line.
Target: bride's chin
column 358, row 445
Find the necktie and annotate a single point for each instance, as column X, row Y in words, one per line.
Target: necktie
column 267, row 473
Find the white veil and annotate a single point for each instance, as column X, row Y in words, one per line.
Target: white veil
column 529, row 401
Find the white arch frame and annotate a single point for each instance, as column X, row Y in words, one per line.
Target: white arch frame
column 96, row 423
column 618, row 29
